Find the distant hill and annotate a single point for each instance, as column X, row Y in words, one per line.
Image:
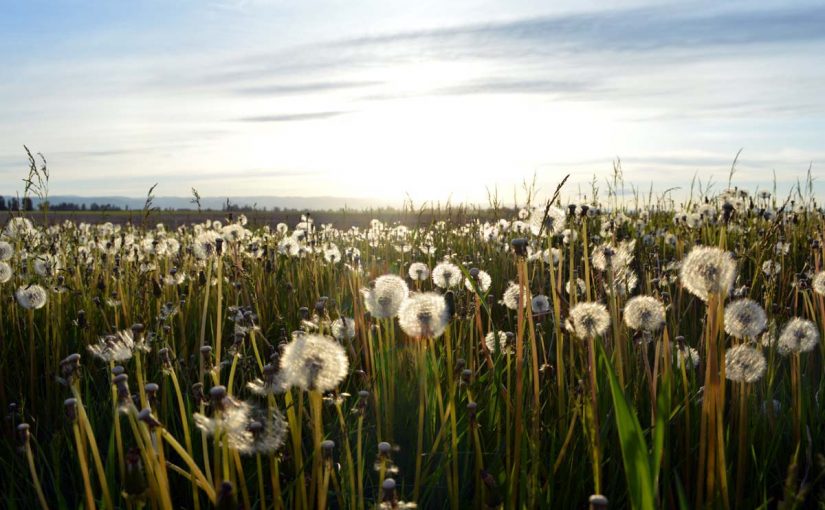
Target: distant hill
column 217, row 203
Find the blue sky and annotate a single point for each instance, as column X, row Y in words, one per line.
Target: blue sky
column 429, row 99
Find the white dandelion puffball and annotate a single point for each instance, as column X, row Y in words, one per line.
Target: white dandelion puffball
column 231, row 422
column 419, row 271
column 446, row 275
column 708, row 270
column 504, row 344
column 482, row 281
column 205, row 245
column 265, row 432
column 116, row 348
column 512, row 296
column 6, row 250
column 644, row 313
column 743, row 363
column 343, row 329
column 819, row 283
column 313, row 362
column 745, row 318
column 31, row 297
column 686, row 356
column 384, row 299
column 5, row 272
column 551, row 223
column 540, row 304
column 588, row 320
column 798, row 335
column 424, row 315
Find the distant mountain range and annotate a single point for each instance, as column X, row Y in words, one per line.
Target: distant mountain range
column 217, row 203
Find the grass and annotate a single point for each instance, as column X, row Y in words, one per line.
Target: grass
column 544, row 423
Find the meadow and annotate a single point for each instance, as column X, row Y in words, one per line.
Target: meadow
column 559, row 354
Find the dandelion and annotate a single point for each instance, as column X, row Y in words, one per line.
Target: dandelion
column 230, row 419
column 332, row 254
column 771, row 268
column 481, row 280
column 271, row 383
column 818, row 283
column 505, row 341
column 708, row 270
column 745, row 318
column 290, row 247
column 798, row 335
column 31, row 297
column 206, row 244
column 686, row 356
column 512, row 296
column 314, row 362
column 550, row 222
column 743, row 363
column 419, row 271
column 446, row 275
column 384, row 299
column 19, row 227
column 5, row 272
column 588, row 320
column 234, row 233
column 644, row 313
column 615, row 258
column 6, row 250
column 118, row 347
column 265, row 433
column 424, row 315
column 343, row 329
column 579, row 288
column 540, row 305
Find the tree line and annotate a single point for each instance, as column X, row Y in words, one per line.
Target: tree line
column 26, row 204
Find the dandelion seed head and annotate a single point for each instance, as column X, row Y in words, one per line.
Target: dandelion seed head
column 743, row 363
column 314, row 362
column 384, row 299
column 798, row 335
column 818, row 283
column 446, row 275
column 686, row 356
column 419, row 271
column 6, row 250
column 588, row 320
column 745, row 318
column 206, row 244
column 481, row 279
column 424, row 315
column 114, row 348
column 5, row 272
column 504, row 342
column 512, row 296
column 343, row 329
column 540, row 304
column 644, row 313
column 265, row 432
column 552, row 223
column 31, row 297
column 708, row 270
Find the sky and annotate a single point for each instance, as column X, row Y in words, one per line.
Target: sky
column 425, row 99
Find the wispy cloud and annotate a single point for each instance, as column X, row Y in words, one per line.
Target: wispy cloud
column 292, row 117
column 303, row 88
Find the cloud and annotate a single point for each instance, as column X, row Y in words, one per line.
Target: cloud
column 302, row 88
column 292, row 117
column 639, row 29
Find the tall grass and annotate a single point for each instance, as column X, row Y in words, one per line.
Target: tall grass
column 443, row 422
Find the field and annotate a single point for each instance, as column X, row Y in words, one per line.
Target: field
column 556, row 355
